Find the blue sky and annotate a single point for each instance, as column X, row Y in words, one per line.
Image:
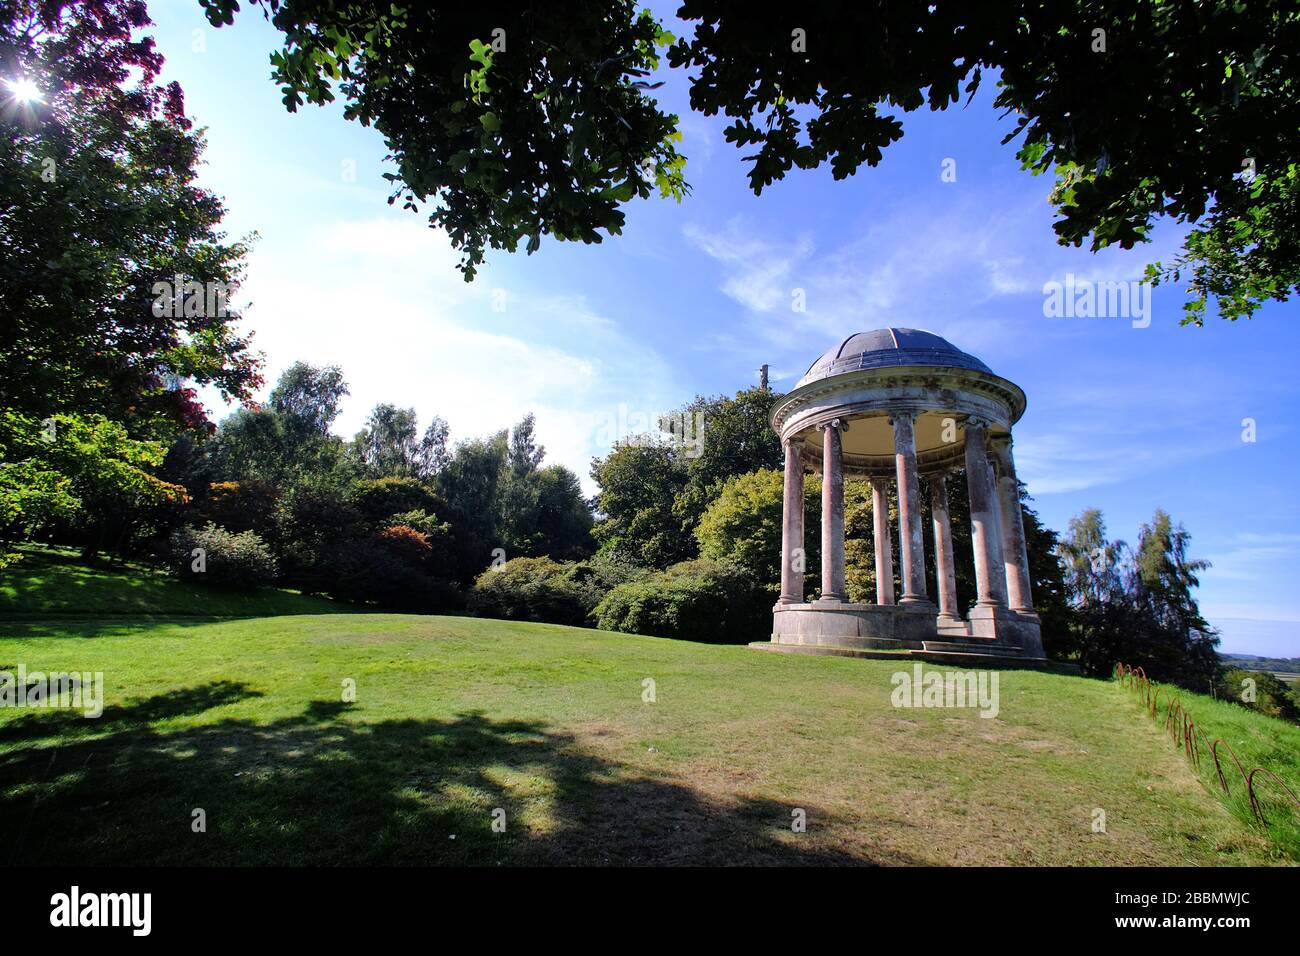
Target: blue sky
column 693, row 298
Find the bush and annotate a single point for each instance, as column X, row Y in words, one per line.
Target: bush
column 606, row 571
column 536, row 589
column 442, row 560
column 240, row 505
column 312, row 523
column 1270, row 695
column 378, row 499
column 405, row 543
column 709, row 600
column 224, row 559
column 369, row 571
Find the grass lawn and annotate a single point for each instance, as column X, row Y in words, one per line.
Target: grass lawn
column 56, row 581
column 455, row 718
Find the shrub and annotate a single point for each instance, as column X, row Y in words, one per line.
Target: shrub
column 442, row 560
column 369, row 572
column 378, row 499
column 603, row 572
column 536, row 589
column 314, row 522
column 405, row 543
column 1269, row 694
column 702, row 600
column 240, row 505
column 223, row 559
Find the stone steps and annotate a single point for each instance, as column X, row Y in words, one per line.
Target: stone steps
column 971, row 647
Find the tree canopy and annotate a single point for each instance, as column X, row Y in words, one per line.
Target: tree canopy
column 522, row 122
column 116, row 278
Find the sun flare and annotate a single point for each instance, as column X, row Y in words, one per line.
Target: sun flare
column 23, row 90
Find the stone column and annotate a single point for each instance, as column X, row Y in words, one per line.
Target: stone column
column 792, row 554
column 990, row 582
column 1015, row 555
column 945, row 573
column 884, row 546
column 833, row 588
column 912, row 546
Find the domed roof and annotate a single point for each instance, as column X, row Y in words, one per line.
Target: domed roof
column 888, row 348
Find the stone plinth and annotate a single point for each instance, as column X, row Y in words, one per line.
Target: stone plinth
column 837, row 623
column 1011, row 628
column 839, row 627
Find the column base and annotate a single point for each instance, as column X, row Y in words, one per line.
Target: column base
column 1005, row 626
column 890, row 631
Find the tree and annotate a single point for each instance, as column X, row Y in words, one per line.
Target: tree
column 81, row 477
column 433, row 456
column 512, row 121
column 1164, row 581
column 116, row 281
column 310, row 395
column 558, row 522
column 1167, row 576
column 1092, row 564
column 1137, row 607
column 387, row 446
column 639, row 482
column 34, row 494
column 1265, row 693
column 542, row 511
column 743, row 524
column 268, row 446
column 470, row 485
column 277, row 444
column 518, row 123
column 525, row 454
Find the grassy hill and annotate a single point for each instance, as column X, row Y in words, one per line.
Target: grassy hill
column 455, row 718
column 56, row 581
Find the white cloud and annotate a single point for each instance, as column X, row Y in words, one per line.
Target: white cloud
column 757, row 272
column 382, row 298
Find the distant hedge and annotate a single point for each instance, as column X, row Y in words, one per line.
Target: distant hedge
column 535, row 589
column 712, row 600
column 213, row 555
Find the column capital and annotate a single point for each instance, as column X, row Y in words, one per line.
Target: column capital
column 1001, row 456
column 974, row 421
column 841, row 424
column 901, row 414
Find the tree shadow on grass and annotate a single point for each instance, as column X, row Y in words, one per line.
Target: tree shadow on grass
column 322, row 789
